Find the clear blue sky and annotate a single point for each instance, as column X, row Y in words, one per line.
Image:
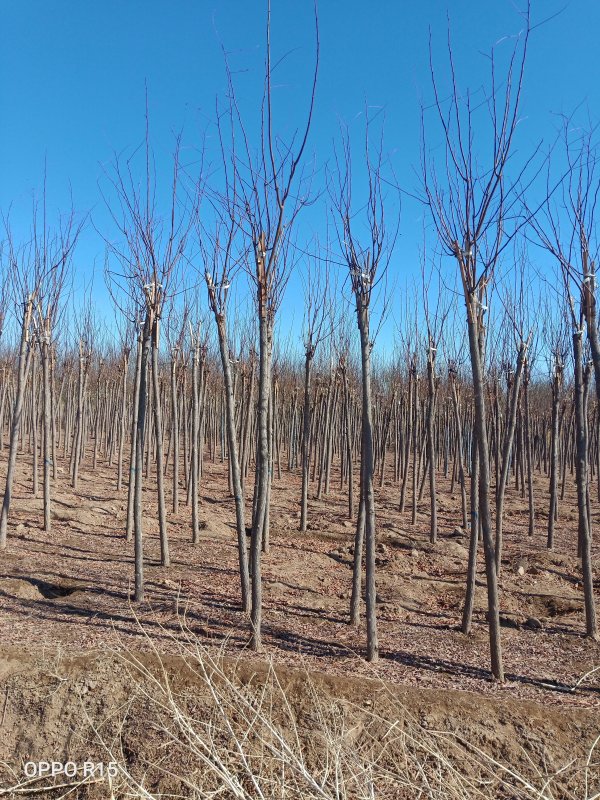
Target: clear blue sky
column 72, row 80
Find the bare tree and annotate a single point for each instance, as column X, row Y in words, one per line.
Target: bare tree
column 470, row 204
column 268, row 208
column 566, row 228
column 53, row 254
column 367, row 264
column 218, row 282
column 24, row 283
column 555, row 337
column 150, row 249
column 317, row 312
column 515, row 311
column 435, row 318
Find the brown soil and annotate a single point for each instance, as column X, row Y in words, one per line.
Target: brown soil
column 100, row 707
column 68, row 591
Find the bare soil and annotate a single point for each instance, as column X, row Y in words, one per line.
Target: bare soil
column 67, row 592
column 99, row 707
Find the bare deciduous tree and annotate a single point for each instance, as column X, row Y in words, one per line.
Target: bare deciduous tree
column 367, row 265
column 470, row 203
column 153, row 239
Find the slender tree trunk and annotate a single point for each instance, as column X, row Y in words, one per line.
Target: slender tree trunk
column 122, row 423
column 34, row 423
column 409, row 431
column 175, row 433
column 305, row 440
column 459, row 451
column 415, row 473
column 133, row 447
column 262, row 470
column 78, row 437
column 528, row 454
column 431, row 453
column 195, row 444
column 348, row 443
column 165, row 559
column 22, row 370
column 139, row 457
column 467, row 617
column 511, row 417
column 47, row 427
column 581, row 475
column 476, row 351
column 359, row 538
column 234, row 462
column 369, row 496
column 552, row 510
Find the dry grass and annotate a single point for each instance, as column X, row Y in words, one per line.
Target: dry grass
column 220, row 732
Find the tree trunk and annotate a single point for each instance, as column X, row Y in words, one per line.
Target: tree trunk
column 175, row 433
column 47, row 427
column 133, row 448
column 476, row 351
column 234, row 462
column 262, row 469
column 581, row 475
column 165, row 559
column 22, row 370
column 122, row 424
column 139, row 457
column 431, row 454
column 507, row 446
column 195, row 444
column 467, row 617
column 369, row 497
column 459, row 452
column 305, row 440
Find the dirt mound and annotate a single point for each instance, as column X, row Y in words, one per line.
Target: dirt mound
column 162, row 722
column 32, row 589
column 17, row 587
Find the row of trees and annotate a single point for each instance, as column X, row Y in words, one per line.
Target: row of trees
column 438, row 414
column 316, row 432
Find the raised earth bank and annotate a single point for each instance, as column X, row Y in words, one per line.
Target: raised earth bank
column 193, row 724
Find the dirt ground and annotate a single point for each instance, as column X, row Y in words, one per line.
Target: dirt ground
column 108, row 708
column 68, row 591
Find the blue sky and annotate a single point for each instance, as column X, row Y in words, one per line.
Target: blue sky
column 72, row 77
